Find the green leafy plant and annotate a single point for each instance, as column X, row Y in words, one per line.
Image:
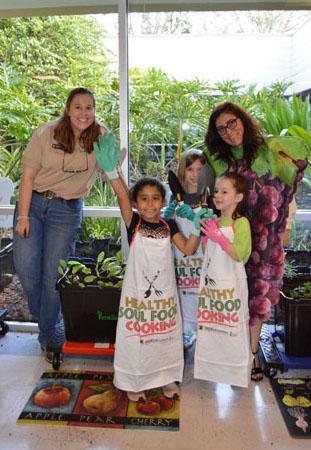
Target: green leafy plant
column 300, row 235
column 289, row 268
column 110, row 269
column 104, row 272
column 302, row 291
column 97, row 231
column 73, row 272
column 304, row 134
column 280, row 115
column 102, row 194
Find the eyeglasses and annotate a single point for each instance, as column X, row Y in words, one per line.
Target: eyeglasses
column 231, row 124
column 75, row 171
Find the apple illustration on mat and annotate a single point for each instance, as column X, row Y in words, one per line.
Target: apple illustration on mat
column 52, row 397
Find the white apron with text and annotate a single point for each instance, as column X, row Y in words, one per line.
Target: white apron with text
column 188, row 271
column 223, row 353
column 148, row 348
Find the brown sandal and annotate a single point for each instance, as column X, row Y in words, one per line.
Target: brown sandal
column 257, row 372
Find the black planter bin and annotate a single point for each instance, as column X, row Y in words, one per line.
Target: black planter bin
column 293, row 319
column 299, row 257
column 90, row 314
column 297, row 327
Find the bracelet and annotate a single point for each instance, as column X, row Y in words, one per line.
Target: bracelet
column 23, row 217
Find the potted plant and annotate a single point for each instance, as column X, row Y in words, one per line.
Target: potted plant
column 100, row 239
column 90, row 296
column 302, row 291
column 97, row 241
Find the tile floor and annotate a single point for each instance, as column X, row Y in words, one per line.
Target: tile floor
column 213, row 416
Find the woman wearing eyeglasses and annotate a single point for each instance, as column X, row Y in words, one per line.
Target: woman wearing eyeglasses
column 273, row 166
column 59, row 168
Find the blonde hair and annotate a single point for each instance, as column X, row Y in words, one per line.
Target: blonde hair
column 186, row 159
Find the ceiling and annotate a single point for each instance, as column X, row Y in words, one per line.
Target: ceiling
column 15, row 8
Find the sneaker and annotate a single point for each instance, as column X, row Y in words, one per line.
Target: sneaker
column 171, row 390
column 136, row 396
column 48, row 356
column 189, row 338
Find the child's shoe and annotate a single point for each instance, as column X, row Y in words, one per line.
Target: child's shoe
column 136, row 396
column 171, row 390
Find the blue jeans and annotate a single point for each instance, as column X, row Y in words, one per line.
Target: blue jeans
column 54, row 224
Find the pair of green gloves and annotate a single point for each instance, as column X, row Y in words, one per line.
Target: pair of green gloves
column 107, row 154
column 186, row 212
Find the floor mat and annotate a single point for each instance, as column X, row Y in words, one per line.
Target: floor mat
column 89, row 399
column 294, row 399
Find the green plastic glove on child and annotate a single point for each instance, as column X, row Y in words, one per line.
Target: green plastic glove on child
column 202, row 214
column 185, row 211
column 169, row 211
column 107, row 154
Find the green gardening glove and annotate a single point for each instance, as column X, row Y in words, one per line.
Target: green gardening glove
column 107, row 154
column 185, row 211
column 170, row 210
column 203, row 214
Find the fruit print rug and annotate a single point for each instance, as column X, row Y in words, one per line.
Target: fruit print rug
column 294, row 399
column 89, row 399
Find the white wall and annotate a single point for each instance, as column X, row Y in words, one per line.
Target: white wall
column 301, row 59
column 252, row 59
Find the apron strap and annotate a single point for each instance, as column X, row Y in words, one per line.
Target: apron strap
column 165, row 223
column 136, row 230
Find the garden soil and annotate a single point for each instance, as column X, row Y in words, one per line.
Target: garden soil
column 13, row 299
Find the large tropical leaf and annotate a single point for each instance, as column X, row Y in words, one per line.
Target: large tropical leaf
column 296, row 130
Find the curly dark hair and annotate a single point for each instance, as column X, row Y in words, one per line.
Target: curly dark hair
column 146, row 181
column 252, row 138
column 63, row 133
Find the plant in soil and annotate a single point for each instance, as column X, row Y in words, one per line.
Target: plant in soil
column 104, row 272
column 301, row 291
column 289, row 268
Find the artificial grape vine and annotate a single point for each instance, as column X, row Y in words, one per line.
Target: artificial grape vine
column 268, row 203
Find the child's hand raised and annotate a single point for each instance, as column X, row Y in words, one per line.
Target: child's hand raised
column 107, row 154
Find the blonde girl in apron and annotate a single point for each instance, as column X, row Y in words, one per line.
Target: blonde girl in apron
column 148, row 347
column 188, row 268
column 223, row 352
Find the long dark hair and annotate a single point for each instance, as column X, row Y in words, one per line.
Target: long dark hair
column 146, row 181
column 240, row 184
column 63, row 133
column 252, row 138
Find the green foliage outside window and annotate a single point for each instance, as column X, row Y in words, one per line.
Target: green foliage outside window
column 43, row 58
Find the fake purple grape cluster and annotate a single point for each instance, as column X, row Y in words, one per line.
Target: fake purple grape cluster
column 268, row 203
